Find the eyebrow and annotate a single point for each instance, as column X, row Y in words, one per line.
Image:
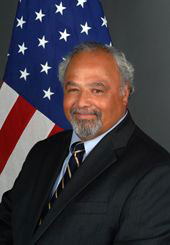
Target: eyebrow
column 70, row 83
column 97, row 84
column 100, row 84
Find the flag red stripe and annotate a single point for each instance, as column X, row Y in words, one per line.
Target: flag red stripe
column 13, row 127
column 56, row 129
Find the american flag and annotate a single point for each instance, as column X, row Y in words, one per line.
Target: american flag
column 31, row 96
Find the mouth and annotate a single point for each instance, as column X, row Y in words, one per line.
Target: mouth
column 84, row 114
column 87, row 116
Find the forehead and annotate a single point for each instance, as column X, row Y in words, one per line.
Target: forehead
column 97, row 56
column 93, row 62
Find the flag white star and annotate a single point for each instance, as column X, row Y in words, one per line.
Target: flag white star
column 48, row 93
column 64, row 35
column 109, row 44
column 81, row 2
column 21, row 22
column 39, row 15
column 24, row 74
column 45, row 68
column 42, row 42
column 60, row 8
column 22, row 48
column 104, row 21
column 85, row 28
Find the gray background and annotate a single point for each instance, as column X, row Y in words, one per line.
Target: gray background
column 140, row 28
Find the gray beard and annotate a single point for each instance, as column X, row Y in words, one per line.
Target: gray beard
column 86, row 128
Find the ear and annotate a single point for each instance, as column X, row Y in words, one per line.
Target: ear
column 125, row 94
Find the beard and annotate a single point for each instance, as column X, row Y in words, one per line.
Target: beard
column 86, row 128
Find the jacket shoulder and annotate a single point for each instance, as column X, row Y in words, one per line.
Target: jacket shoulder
column 58, row 136
column 142, row 143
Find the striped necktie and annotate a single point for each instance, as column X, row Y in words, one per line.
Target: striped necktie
column 77, row 150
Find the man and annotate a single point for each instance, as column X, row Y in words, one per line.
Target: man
column 120, row 192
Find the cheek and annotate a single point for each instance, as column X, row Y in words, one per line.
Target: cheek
column 110, row 107
column 67, row 104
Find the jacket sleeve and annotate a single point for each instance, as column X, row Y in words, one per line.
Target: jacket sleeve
column 7, row 207
column 145, row 218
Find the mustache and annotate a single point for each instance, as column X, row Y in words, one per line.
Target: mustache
column 85, row 111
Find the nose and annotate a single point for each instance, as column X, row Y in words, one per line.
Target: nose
column 83, row 99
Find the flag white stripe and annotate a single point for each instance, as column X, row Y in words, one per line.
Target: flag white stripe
column 37, row 129
column 8, row 96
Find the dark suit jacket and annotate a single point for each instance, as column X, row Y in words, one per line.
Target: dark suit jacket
column 119, row 195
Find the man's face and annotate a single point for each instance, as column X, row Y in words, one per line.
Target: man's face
column 93, row 96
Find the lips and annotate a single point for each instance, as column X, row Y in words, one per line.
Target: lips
column 85, row 115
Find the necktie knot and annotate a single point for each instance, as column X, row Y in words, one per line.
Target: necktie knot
column 77, row 147
column 77, row 150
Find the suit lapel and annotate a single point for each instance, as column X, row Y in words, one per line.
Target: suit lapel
column 47, row 176
column 103, row 156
